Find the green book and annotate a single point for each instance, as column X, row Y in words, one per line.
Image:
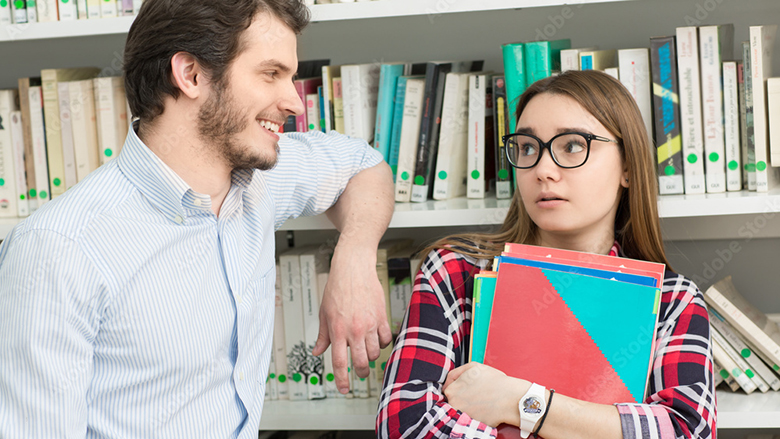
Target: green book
column 484, row 287
column 515, row 77
column 542, row 58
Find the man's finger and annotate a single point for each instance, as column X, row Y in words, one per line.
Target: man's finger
column 385, row 335
column 359, row 358
column 340, row 363
column 372, row 346
column 323, row 339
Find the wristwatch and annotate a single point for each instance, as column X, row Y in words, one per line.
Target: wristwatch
column 532, row 407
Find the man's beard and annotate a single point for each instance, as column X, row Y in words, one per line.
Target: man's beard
column 219, row 122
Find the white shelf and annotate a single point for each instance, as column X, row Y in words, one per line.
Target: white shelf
column 325, row 414
column 320, row 13
column 736, row 410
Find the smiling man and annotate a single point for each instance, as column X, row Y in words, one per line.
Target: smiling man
column 140, row 303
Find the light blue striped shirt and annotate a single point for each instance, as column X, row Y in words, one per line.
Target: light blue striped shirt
column 129, row 310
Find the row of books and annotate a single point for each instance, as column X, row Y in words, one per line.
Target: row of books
column 302, row 273
column 41, row 11
column 54, row 130
column 745, row 342
column 708, row 115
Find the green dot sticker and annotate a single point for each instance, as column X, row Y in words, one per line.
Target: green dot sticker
column 372, row 364
column 503, row 174
column 775, row 367
column 749, row 373
column 760, row 166
column 282, row 377
column 745, row 353
column 272, row 376
column 311, row 126
column 57, row 182
column 2, row 182
column 752, row 167
column 22, row 197
column 692, row 158
column 384, row 365
column 724, row 374
column 108, row 152
column 43, row 194
column 442, row 175
column 330, row 377
column 362, row 379
column 733, row 165
column 669, row 170
column 714, row 157
column 297, row 377
column 33, row 193
column 746, row 166
column 314, row 380
column 736, row 372
column 65, row 1
column 30, row 3
column 475, row 174
column 3, row 3
column 19, row 4
column 419, row 180
column 404, row 176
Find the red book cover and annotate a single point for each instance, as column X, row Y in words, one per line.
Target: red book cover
column 305, row 87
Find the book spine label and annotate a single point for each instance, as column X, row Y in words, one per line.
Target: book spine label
column 427, row 146
column 29, row 163
column 667, row 116
column 271, row 384
column 66, row 124
column 690, row 109
column 108, row 9
column 712, row 108
column 279, row 353
column 586, row 61
column 312, row 112
column 294, row 336
column 476, row 138
column 501, row 123
column 762, row 39
column 338, row 106
column 570, row 60
column 8, row 189
column 93, row 8
column 39, row 145
column 17, row 137
column 410, row 130
column 127, row 7
column 67, row 10
column 731, row 133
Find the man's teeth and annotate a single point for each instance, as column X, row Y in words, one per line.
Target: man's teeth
column 269, row 126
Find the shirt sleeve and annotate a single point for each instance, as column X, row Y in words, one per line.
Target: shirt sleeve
column 433, row 340
column 681, row 401
column 48, row 320
column 313, row 169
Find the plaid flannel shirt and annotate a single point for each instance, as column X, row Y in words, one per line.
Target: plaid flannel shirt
column 435, row 335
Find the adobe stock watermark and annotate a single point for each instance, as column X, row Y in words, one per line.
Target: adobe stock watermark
column 703, row 11
column 556, row 23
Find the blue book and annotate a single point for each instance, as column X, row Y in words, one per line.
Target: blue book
column 388, row 80
column 322, row 109
column 398, row 116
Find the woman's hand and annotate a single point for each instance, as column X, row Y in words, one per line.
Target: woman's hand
column 485, row 394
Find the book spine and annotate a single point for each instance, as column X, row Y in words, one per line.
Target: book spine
column 53, row 125
column 500, row 125
column 17, row 136
column 312, row 112
column 586, row 61
column 400, row 281
column 773, row 107
column 350, row 94
column 66, row 130
column 449, row 133
column 515, row 75
column 137, row 6
column 690, row 109
column 271, row 384
column 19, row 11
column 294, row 336
column 750, row 160
column 120, row 113
column 388, row 81
column 327, row 97
column 410, row 130
column 32, row 11
column 67, row 10
column 8, row 191
column 731, row 134
column 47, row 10
column 81, row 10
column 108, row 9
column 743, row 366
column 311, row 265
column 712, row 108
column 29, row 163
column 127, row 7
column 667, row 115
column 570, row 59
column 762, row 39
column 634, row 68
column 85, row 142
column 398, row 115
column 369, row 93
column 39, row 145
column 476, row 138
column 280, row 354
column 329, row 378
column 301, row 120
column 722, row 357
column 338, row 106
column 93, row 8
column 322, row 107
column 427, row 146
column 6, row 14
column 743, row 124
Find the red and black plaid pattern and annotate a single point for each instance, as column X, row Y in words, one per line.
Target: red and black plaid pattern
column 435, row 335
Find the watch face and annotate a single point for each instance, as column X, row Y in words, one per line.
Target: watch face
column 532, row 405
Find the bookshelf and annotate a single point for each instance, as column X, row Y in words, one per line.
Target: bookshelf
column 695, row 227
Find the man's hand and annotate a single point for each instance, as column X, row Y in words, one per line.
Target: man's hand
column 353, row 313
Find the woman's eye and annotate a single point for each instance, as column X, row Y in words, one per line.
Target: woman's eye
column 574, row 147
column 528, row 149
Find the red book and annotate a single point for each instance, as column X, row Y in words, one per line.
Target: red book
column 305, row 87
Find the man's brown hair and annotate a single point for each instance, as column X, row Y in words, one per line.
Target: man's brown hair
column 209, row 30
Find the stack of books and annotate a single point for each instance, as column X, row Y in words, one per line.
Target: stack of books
column 42, row 11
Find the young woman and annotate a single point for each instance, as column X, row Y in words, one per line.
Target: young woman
column 586, row 182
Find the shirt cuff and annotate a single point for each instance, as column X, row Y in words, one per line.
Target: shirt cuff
column 471, row 428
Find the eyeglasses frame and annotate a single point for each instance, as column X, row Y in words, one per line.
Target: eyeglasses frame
column 548, row 146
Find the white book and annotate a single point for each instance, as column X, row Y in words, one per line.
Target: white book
column 38, row 136
column 719, row 353
column 32, row 11
column 450, row 177
column 313, row 112
column 410, row 132
column 752, row 324
column 8, row 191
column 634, row 68
column 329, row 381
column 758, row 382
column 731, row 133
column 313, row 262
column 279, row 351
column 570, row 58
column 18, row 14
column 479, row 87
column 84, row 126
column 47, row 10
column 110, row 109
column 716, row 43
column 93, row 8
column 360, row 88
column 66, row 130
column 271, row 384
column 735, row 341
column 81, row 10
column 137, row 6
column 294, row 336
column 690, row 109
column 750, row 156
column 613, row 72
column 17, row 136
column 108, row 9
column 5, row 13
column 743, row 125
column 717, row 378
column 725, row 376
column 67, row 10
column 773, row 106
column 762, row 42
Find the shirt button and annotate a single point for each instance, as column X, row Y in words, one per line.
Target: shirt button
column 178, row 219
column 241, row 376
column 197, row 202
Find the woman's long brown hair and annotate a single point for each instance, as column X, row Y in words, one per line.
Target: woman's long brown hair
column 637, row 227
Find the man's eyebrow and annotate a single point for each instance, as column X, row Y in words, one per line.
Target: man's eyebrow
column 272, row 63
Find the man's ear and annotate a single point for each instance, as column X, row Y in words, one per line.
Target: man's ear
column 187, row 75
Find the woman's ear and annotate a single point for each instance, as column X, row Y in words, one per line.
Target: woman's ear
column 624, row 179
